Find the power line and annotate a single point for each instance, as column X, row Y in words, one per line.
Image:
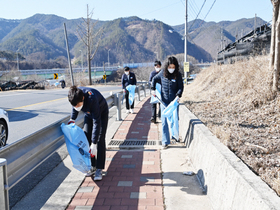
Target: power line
column 194, row 13
column 159, row 9
column 198, row 14
column 207, row 13
column 204, row 20
column 192, row 10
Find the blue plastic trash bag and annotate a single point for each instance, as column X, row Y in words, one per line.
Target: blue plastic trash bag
column 154, row 100
column 131, row 90
column 174, row 124
column 171, row 113
column 77, row 146
column 168, row 111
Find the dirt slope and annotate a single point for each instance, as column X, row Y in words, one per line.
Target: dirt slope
column 234, row 102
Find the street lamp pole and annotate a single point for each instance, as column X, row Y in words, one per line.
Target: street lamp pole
column 82, row 60
column 186, row 38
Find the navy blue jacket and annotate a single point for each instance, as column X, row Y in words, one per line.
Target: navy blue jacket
column 94, row 106
column 153, row 73
column 130, row 81
column 170, row 87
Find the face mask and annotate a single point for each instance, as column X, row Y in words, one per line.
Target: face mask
column 157, row 69
column 126, row 72
column 78, row 108
column 171, row 70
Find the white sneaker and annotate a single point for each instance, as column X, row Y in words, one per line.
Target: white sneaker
column 98, row 175
column 164, row 146
column 91, row 171
column 131, row 111
column 127, row 111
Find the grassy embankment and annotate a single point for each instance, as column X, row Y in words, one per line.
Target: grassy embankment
column 235, row 102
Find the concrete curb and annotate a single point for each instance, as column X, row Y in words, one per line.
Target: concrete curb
column 227, row 181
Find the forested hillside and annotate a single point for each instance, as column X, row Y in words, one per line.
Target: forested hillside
column 41, row 37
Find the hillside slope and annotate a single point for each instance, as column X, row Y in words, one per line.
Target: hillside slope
column 234, row 102
column 129, row 39
column 208, row 35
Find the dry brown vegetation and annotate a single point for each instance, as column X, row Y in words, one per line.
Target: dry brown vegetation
column 235, row 102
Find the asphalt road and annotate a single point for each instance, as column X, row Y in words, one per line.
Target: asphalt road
column 31, row 110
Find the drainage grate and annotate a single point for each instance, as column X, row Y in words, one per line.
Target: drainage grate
column 131, row 143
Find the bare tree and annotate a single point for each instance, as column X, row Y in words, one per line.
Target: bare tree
column 275, row 46
column 88, row 35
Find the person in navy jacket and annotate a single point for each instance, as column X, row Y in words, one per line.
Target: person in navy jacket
column 96, row 111
column 128, row 78
column 154, row 106
column 171, row 87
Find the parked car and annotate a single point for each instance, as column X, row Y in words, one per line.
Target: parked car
column 4, row 127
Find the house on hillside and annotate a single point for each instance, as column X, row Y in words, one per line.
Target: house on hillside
column 256, row 42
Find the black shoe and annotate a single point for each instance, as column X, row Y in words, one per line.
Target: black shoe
column 153, row 120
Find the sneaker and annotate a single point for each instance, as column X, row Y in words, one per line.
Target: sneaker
column 164, row 146
column 153, row 120
column 91, row 171
column 98, row 175
column 177, row 140
column 127, row 111
column 131, row 111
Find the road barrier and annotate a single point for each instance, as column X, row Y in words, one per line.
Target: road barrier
column 20, row 158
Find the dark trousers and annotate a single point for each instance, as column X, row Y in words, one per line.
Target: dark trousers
column 98, row 162
column 127, row 101
column 154, row 111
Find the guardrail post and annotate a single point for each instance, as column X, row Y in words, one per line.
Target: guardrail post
column 144, row 88
column 138, row 91
column 119, row 106
column 4, row 194
column 149, row 86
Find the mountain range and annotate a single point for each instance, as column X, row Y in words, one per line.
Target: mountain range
column 125, row 40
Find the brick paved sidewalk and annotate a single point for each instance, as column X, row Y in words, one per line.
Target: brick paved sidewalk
column 132, row 178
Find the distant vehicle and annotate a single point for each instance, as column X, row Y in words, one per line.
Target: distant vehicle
column 4, row 127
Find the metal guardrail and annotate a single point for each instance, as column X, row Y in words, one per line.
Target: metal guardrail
column 18, row 159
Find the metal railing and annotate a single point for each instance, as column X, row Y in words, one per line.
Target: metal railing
column 18, row 159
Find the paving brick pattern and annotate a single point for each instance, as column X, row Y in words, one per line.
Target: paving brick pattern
column 137, row 126
column 132, row 178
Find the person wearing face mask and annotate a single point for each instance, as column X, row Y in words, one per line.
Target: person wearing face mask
column 128, row 78
column 157, row 65
column 94, row 105
column 172, row 87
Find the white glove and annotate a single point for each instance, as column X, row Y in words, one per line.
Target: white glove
column 71, row 121
column 93, row 150
column 177, row 98
column 153, row 93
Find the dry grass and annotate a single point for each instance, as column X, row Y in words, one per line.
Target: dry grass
column 235, row 103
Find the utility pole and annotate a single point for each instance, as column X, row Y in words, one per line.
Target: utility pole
column 157, row 55
column 17, row 62
column 82, row 59
column 108, row 58
column 186, row 40
column 255, row 24
column 68, row 53
column 104, row 72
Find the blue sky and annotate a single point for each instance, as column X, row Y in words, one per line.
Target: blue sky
column 171, row 12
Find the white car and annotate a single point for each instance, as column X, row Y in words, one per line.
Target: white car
column 4, row 127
